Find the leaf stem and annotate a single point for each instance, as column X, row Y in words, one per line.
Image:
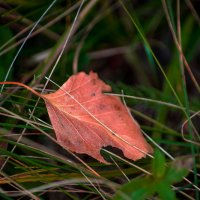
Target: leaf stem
column 22, row 85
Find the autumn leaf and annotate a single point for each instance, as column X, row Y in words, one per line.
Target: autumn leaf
column 85, row 119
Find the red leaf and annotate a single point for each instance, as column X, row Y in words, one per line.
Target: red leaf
column 85, row 120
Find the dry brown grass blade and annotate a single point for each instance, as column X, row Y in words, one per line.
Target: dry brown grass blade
column 178, row 45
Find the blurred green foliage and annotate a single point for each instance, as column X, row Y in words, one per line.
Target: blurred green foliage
column 159, row 182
